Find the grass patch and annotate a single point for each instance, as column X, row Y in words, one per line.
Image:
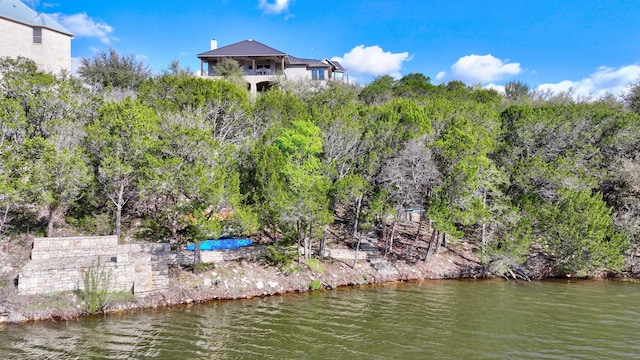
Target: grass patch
column 315, row 265
column 121, row 297
column 51, row 301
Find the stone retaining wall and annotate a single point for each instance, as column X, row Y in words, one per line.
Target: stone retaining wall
column 60, row 264
column 344, row 254
column 252, row 252
column 73, row 247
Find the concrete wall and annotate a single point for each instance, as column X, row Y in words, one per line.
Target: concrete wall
column 297, row 72
column 52, row 55
column 60, row 264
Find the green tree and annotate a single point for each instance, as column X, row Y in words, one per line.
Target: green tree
column 178, row 93
column 516, row 90
column 118, row 141
column 231, row 70
column 307, row 204
column 13, row 183
column 580, row 235
column 462, row 152
column 285, row 177
column 175, row 69
column 58, row 176
column 632, row 97
column 378, row 91
column 190, row 173
column 414, row 85
column 110, row 69
column 43, row 117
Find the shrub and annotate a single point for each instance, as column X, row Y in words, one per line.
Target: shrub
column 97, row 280
column 315, row 285
column 314, row 265
column 281, row 256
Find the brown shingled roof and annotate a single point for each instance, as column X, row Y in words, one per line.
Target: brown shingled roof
column 243, row 48
column 309, row 62
column 336, row 65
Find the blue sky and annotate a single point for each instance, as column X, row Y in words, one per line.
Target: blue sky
column 592, row 47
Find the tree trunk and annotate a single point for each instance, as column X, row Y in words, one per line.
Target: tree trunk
column 307, row 243
column 434, row 236
column 419, row 228
column 393, row 232
column 118, row 220
column 5, row 216
column 441, row 243
column 299, row 240
column 50, row 215
column 174, row 230
column 355, row 258
column 355, row 223
column 119, row 205
column 323, row 243
column 196, row 256
column 484, row 226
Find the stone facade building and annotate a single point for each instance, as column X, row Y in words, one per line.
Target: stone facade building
column 37, row 36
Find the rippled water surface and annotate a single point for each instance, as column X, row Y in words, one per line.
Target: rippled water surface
column 427, row 320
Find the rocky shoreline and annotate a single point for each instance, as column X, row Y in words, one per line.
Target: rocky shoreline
column 246, row 279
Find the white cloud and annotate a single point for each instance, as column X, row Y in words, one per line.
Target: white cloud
column 372, row 60
column 472, row 69
column 496, row 87
column 82, row 25
column 604, row 80
column 276, row 7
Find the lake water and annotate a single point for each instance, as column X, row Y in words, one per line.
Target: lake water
column 425, row 320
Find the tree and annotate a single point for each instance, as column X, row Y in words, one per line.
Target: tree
column 414, row 85
column 580, row 235
column 378, row 91
column 191, row 174
column 110, row 69
column 284, row 175
column 118, row 141
column 462, row 152
column 171, row 93
column 175, row 69
column 350, row 192
column 58, row 175
column 516, row 90
column 12, row 182
column 231, row 70
column 408, row 179
column 632, row 97
column 42, row 131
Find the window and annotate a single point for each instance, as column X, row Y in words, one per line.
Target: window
column 263, row 70
column 37, row 35
column 317, row 74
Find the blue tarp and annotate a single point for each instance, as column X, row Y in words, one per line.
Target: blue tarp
column 222, row 244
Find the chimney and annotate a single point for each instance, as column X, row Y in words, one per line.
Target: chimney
column 214, row 44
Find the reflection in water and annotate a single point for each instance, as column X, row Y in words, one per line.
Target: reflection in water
column 437, row 319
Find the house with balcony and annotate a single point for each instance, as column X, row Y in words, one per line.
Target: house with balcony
column 37, row 36
column 263, row 65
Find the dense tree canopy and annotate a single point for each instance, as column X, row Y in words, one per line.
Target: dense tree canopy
column 110, row 69
column 179, row 158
